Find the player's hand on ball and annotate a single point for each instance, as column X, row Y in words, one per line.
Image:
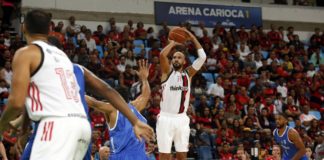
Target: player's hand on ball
column 191, row 36
column 142, row 130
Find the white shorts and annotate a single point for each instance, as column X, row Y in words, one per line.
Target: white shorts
column 61, row 138
column 172, row 128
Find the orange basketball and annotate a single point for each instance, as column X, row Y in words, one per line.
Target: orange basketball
column 178, row 34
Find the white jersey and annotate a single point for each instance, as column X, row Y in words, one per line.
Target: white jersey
column 53, row 90
column 176, row 93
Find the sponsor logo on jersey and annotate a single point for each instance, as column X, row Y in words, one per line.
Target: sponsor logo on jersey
column 178, row 88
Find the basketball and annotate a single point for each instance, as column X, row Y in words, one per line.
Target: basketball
column 179, row 35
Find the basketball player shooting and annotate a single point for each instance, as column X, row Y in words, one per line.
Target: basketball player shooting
column 173, row 122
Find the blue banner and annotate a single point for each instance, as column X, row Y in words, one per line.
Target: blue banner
column 228, row 16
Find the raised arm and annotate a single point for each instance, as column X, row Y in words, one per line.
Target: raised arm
column 101, row 89
column 164, row 60
column 199, row 62
column 141, row 101
column 294, row 137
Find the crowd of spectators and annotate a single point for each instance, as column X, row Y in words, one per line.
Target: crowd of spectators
column 249, row 76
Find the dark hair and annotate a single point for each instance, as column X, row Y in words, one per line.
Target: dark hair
column 124, row 93
column 283, row 114
column 37, row 22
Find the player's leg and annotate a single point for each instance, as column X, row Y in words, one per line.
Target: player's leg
column 57, row 138
column 181, row 139
column 164, row 136
column 83, row 141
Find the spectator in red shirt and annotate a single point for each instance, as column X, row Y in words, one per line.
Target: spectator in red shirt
column 242, row 98
column 225, row 134
column 291, row 109
column 112, row 35
column 154, row 51
column 316, row 39
column 205, row 119
column 154, row 110
column 126, row 34
column 225, row 153
column 154, row 71
column 99, row 35
column 222, row 62
column 242, row 34
column 205, row 39
column 274, row 35
column 140, row 32
column 98, row 119
column 58, row 34
column 269, row 105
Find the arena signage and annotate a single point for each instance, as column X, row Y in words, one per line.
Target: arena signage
column 228, row 16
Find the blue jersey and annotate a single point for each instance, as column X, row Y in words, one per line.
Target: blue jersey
column 79, row 75
column 123, row 142
column 288, row 148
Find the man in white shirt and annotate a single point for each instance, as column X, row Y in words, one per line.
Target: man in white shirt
column 91, row 43
column 122, row 65
column 281, row 88
column 216, row 89
column 257, row 60
column 278, row 102
column 243, row 50
column 305, row 117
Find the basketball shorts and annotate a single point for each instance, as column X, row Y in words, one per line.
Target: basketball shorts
column 56, row 138
column 172, row 128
